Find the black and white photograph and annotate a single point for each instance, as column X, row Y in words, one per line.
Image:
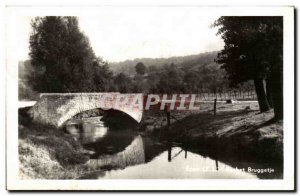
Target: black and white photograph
column 172, row 97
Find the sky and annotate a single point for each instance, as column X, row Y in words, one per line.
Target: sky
column 121, row 34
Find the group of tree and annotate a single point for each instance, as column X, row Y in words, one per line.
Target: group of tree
column 254, row 51
column 173, row 78
column 62, row 60
column 189, row 74
column 188, row 62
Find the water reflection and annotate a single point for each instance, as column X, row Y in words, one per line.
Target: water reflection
column 124, row 154
column 170, row 162
column 87, row 132
column 180, row 166
column 132, row 155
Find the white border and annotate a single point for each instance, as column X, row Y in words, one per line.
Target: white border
column 13, row 183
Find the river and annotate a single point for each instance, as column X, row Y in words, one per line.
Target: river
column 124, row 153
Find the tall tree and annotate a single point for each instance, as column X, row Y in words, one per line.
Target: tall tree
column 61, row 56
column 253, row 51
column 103, row 76
column 140, row 68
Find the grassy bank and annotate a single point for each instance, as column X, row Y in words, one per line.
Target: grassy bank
column 48, row 153
column 236, row 129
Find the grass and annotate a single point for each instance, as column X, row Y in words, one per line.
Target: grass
column 235, row 131
column 37, row 162
column 48, row 153
column 237, row 128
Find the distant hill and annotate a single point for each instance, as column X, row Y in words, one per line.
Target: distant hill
column 186, row 62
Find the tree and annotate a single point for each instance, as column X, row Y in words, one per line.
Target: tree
column 171, row 80
column 191, row 80
column 140, row 84
column 152, row 78
column 253, row 51
column 61, row 56
column 123, row 83
column 103, row 77
column 140, row 68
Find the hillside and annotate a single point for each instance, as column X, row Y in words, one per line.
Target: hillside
column 188, row 62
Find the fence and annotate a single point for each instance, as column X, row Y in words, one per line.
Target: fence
column 248, row 95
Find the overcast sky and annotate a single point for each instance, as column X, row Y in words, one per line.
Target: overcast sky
column 121, row 34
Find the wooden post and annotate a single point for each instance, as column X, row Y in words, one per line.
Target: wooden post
column 168, row 115
column 215, row 107
column 170, row 153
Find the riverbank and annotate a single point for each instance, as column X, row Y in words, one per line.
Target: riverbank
column 237, row 129
column 48, row 153
column 45, row 153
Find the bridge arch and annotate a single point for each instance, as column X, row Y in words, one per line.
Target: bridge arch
column 56, row 109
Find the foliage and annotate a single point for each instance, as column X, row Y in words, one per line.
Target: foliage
column 252, row 46
column 140, row 68
column 123, row 83
column 188, row 62
column 254, row 51
column 62, row 60
column 62, row 57
column 188, row 74
column 193, row 75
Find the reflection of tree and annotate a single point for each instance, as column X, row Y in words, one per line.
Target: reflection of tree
column 153, row 148
column 113, row 142
column 237, row 161
column 132, row 155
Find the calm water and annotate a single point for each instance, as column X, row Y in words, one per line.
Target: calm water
column 124, row 154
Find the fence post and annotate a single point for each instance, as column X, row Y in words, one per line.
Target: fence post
column 168, row 119
column 169, row 152
column 215, row 106
column 167, row 110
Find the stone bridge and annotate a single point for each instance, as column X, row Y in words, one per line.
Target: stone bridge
column 56, row 108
